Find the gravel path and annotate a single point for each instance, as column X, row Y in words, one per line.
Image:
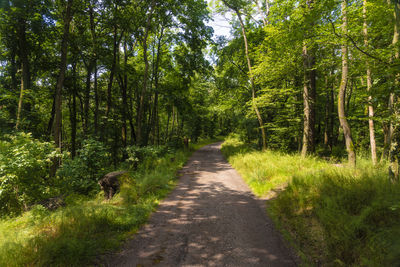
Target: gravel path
column 210, row 219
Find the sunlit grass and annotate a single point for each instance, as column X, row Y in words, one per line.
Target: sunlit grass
column 333, row 214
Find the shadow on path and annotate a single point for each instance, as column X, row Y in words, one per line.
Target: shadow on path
column 210, row 219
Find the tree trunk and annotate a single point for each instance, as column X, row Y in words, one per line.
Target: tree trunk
column 329, row 107
column 73, row 115
column 394, row 151
column 87, row 99
column 369, row 85
column 140, row 115
column 61, row 76
column 94, row 66
column 153, row 123
column 309, row 92
column 57, row 126
column 253, row 90
column 25, row 75
column 342, row 90
column 123, row 85
column 112, row 72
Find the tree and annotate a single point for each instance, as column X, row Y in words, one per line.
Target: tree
column 341, row 97
column 235, row 8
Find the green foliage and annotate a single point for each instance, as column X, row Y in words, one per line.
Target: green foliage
column 335, row 216
column 81, row 173
column 24, row 172
column 145, row 157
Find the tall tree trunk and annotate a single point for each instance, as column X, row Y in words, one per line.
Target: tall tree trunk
column 73, row 115
column 25, row 70
column 13, row 71
column 112, row 72
column 342, row 90
column 87, row 98
column 140, row 115
column 96, row 100
column 167, row 127
column 253, row 90
column 94, row 65
column 309, row 92
column 369, row 85
column 57, row 126
column 329, row 107
column 154, row 118
column 394, row 151
column 61, row 76
column 125, row 108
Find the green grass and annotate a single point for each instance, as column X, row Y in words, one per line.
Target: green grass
column 334, row 215
column 77, row 234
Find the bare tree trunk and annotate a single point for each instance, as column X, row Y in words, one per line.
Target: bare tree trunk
column 61, row 76
column 394, row 151
column 369, row 85
column 73, row 115
column 153, row 123
column 253, row 90
column 342, row 90
column 309, row 89
column 112, row 72
column 140, row 115
column 94, row 66
column 87, row 99
column 25, row 75
column 57, row 126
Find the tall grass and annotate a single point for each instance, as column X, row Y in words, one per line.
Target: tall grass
column 333, row 214
column 76, row 234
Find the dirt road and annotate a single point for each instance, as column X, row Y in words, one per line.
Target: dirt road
column 210, row 219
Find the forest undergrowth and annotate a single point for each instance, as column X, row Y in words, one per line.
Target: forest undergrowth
column 333, row 214
column 87, row 227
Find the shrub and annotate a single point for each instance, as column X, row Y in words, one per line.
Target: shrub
column 145, row 157
column 24, row 172
column 81, row 173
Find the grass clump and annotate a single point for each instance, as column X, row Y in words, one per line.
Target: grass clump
column 333, row 214
column 87, row 227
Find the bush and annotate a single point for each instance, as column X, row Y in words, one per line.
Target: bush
column 145, row 157
column 81, row 173
column 24, row 172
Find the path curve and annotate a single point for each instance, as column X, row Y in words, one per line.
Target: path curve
column 210, row 219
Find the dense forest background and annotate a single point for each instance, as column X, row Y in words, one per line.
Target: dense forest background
column 87, row 85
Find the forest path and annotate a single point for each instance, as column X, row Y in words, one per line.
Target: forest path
column 210, row 219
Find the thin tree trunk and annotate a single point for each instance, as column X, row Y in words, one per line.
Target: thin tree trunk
column 25, row 75
column 369, row 85
column 94, row 66
column 342, row 90
column 140, row 115
column 394, row 151
column 57, row 126
column 61, row 76
column 73, row 115
column 328, row 133
column 87, row 99
column 96, row 100
column 253, row 90
column 166, row 130
column 309, row 89
column 112, row 72
column 156, row 77
column 123, row 85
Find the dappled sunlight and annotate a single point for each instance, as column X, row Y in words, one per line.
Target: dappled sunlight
column 210, row 219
